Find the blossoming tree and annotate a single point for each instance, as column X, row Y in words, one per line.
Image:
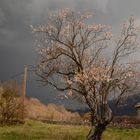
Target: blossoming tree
column 82, row 60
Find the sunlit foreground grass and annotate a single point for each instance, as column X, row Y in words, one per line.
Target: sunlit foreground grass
column 32, row 130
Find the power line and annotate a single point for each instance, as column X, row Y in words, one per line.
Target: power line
column 21, row 73
column 16, row 75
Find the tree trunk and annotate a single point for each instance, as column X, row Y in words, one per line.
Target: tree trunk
column 97, row 131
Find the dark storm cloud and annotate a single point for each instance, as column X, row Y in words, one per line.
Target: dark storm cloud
column 17, row 46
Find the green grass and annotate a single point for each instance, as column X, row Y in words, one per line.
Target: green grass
column 32, row 130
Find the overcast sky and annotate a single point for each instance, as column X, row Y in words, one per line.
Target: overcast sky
column 17, row 46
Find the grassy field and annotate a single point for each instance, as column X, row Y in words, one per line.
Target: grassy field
column 39, row 131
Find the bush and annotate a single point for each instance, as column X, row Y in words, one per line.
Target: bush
column 11, row 107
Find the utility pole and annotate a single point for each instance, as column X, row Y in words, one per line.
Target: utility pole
column 24, row 83
column 24, row 91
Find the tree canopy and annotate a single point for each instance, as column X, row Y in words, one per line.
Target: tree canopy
column 84, row 59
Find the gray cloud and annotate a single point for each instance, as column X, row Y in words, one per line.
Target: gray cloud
column 122, row 9
column 17, row 46
column 2, row 17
